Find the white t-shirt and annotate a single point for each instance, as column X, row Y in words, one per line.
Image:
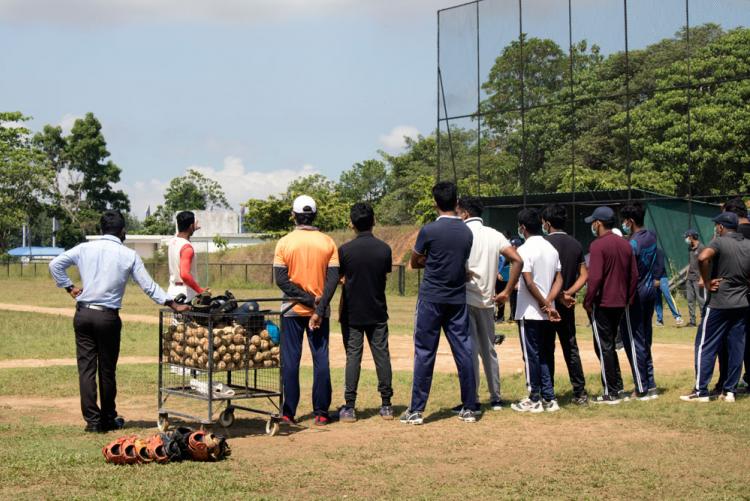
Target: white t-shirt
column 482, row 264
column 173, row 256
column 541, row 260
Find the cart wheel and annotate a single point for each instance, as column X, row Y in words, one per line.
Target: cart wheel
column 272, row 427
column 226, row 418
column 163, row 423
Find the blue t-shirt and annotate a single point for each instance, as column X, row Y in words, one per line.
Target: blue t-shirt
column 447, row 244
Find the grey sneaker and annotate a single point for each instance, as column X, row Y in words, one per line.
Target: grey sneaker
column 457, row 410
column 550, row 405
column 411, row 417
column 527, row 405
column 386, row 412
column 653, row 394
column 467, row 416
column 347, row 415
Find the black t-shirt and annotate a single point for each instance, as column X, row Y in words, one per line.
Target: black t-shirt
column 447, row 245
column 744, row 229
column 571, row 256
column 732, row 265
column 364, row 263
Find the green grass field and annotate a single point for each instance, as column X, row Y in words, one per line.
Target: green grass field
column 638, row 450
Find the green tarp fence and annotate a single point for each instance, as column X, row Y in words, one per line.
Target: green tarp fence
column 668, row 217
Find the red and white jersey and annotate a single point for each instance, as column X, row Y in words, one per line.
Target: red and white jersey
column 182, row 268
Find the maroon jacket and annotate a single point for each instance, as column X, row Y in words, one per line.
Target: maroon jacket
column 613, row 273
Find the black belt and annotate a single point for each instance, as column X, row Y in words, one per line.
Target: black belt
column 96, row 307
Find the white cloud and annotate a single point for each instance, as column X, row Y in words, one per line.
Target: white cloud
column 395, row 141
column 67, row 122
column 238, row 183
column 230, row 11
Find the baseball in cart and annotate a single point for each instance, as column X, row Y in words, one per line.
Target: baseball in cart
column 222, row 356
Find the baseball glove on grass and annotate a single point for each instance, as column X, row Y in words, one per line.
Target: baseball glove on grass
column 121, row 451
column 156, row 450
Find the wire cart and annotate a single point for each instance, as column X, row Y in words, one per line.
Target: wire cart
column 209, row 361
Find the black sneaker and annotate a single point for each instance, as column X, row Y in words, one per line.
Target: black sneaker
column 468, row 416
column 653, row 393
column 412, row 417
column 118, row 423
column 607, row 400
column 499, row 338
column 640, row 395
column 457, row 409
column 386, row 412
column 581, row 400
column 93, row 428
column 496, row 405
column 347, row 415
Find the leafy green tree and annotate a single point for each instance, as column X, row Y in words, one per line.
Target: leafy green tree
column 193, row 191
column 364, row 182
column 84, row 178
column 25, row 180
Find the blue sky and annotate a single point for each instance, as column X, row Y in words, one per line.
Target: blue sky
column 256, row 93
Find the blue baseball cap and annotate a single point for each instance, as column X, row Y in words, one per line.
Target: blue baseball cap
column 516, row 242
column 603, row 213
column 727, row 220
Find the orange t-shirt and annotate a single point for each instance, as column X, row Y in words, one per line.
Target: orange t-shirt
column 306, row 254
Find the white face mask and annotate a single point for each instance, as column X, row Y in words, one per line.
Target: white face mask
column 593, row 230
column 687, row 241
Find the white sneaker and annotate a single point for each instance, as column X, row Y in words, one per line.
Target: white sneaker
column 727, row 397
column 550, row 405
column 527, row 405
column 678, row 321
column 695, row 397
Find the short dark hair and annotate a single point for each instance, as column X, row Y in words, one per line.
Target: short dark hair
column 362, row 216
column 472, row 205
column 112, row 222
column 636, row 212
column 305, row 218
column 556, row 215
column 608, row 225
column 737, row 206
column 445, row 194
column 184, row 220
column 531, row 219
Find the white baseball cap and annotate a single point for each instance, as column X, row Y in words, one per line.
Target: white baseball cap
column 303, row 204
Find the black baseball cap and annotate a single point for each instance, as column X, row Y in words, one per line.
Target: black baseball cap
column 691, row 233
column 603, row 213
column 727, row 220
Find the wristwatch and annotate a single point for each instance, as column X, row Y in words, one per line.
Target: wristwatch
column 69, row 288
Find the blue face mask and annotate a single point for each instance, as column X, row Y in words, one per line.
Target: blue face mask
column 593, row 231
column 545, row 231
column 625, row 229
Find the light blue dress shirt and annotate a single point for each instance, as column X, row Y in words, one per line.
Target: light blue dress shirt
column 105, row 266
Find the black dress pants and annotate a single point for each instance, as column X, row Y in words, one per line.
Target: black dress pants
column 97, row 349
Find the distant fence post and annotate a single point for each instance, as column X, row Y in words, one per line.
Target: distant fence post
column 272, row 278
column 245, row 272
column 221, row 272
column 401, row 280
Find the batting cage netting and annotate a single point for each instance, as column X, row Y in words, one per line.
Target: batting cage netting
column 577, row 96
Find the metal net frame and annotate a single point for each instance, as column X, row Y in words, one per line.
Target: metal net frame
column 472, row 35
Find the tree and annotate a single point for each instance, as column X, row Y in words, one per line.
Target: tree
column 364, row 182
column 193, row 191
column 84, row 178
column 24, row 178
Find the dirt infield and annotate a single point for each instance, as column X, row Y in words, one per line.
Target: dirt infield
column 668, row 357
